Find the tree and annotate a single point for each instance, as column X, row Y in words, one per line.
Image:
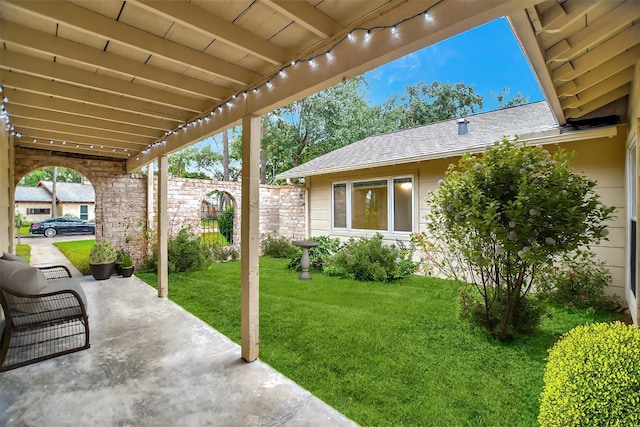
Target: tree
column 504, row 214
column 423, row 104
column 46, row 174
column 519, row 99
column 314, row 126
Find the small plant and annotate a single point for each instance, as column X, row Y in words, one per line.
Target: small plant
column 102, row 252
column 126, row 261
column 592, row 378
column 318, row 255
column 579, row 280
column 368, row 259
column 278, row 247
column 219, row 253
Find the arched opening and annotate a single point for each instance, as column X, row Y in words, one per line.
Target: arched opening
column 54, row 200
column 217, row 218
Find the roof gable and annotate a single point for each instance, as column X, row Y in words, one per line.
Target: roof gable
column 70, row 192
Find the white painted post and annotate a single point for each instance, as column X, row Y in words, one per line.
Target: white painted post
column 163, row 234
column 250, row 236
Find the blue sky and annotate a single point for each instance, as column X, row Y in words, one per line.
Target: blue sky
column 487, row 57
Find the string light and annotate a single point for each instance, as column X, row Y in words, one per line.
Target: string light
column 282, row 73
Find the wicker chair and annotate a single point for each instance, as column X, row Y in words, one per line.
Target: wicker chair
column 41, row 326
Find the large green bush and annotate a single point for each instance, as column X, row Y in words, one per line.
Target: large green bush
column 578, row 280
column 368, row 259
column 184, row 251
column 497, row 218
column 592, row 378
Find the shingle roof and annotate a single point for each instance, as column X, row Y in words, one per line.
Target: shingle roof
column 71, row 192
column 436, row 140
column 32, row 194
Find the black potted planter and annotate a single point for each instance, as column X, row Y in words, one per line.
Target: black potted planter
column 126, row 271
column 101, row 271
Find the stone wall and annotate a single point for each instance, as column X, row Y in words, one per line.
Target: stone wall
column 281, row 207
column 121, row 201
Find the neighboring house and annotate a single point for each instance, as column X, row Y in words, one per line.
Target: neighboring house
column 381, row 184
column 72, row 199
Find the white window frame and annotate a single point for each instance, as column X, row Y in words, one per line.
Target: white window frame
column 632, row 264
column 390, row 200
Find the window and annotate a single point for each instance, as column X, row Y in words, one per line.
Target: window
column 84, row 212
column 379, row 205
column 38, row 211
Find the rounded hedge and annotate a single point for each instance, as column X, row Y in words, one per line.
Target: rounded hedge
column 592, row 378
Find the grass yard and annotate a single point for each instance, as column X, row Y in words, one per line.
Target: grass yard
column 77, row 251
column 24, row 251
column 382, row 354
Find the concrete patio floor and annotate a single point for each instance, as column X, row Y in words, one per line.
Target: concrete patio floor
column 153, row 364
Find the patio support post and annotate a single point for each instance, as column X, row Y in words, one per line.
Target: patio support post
column 250, row 235
column 163, row 271
column 150, row 184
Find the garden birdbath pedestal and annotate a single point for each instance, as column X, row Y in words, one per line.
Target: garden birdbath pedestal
column 304, row 262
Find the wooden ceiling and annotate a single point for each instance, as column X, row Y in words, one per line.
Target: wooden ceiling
column 140, row 78
column 584, row 52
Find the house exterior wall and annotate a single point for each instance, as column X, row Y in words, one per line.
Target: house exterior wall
column 64, row 209
column 605, row 165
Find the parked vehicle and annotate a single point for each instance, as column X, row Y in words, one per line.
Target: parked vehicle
column 62, row 225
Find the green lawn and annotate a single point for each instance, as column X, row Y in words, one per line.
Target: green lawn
column 24, row 251
column 382, row 354
column 77, row 251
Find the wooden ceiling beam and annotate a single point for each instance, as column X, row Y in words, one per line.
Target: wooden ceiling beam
column 14, row 61
column 556, row 22
column 80, row 109
column 594, row 33
column 56, row 46
column 35, row 124
column 600, row 73
column 598, row 90
column 211, row 25
column 592, row 106
column 598, row 55
column 83, row 149
column 27, row 112
column 143, row 41
column 69, row 138
column 88, row 96
column 307, row 16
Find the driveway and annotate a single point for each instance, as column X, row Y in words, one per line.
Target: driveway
column 44, row 253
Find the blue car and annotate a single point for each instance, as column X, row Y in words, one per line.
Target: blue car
column 62, row 225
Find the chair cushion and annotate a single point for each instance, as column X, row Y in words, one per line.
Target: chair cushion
column 11, row 257
column 21, row 278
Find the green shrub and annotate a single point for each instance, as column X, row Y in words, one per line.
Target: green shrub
column 579, row 280
column 368, row 259
column 185, row 252
column 102, row 252
column 525, row 319
column 278, row 247
column 225, row 224
column 592, row 378
column 326, row 248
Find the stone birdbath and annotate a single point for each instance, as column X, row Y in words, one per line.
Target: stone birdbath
column 304, row 262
